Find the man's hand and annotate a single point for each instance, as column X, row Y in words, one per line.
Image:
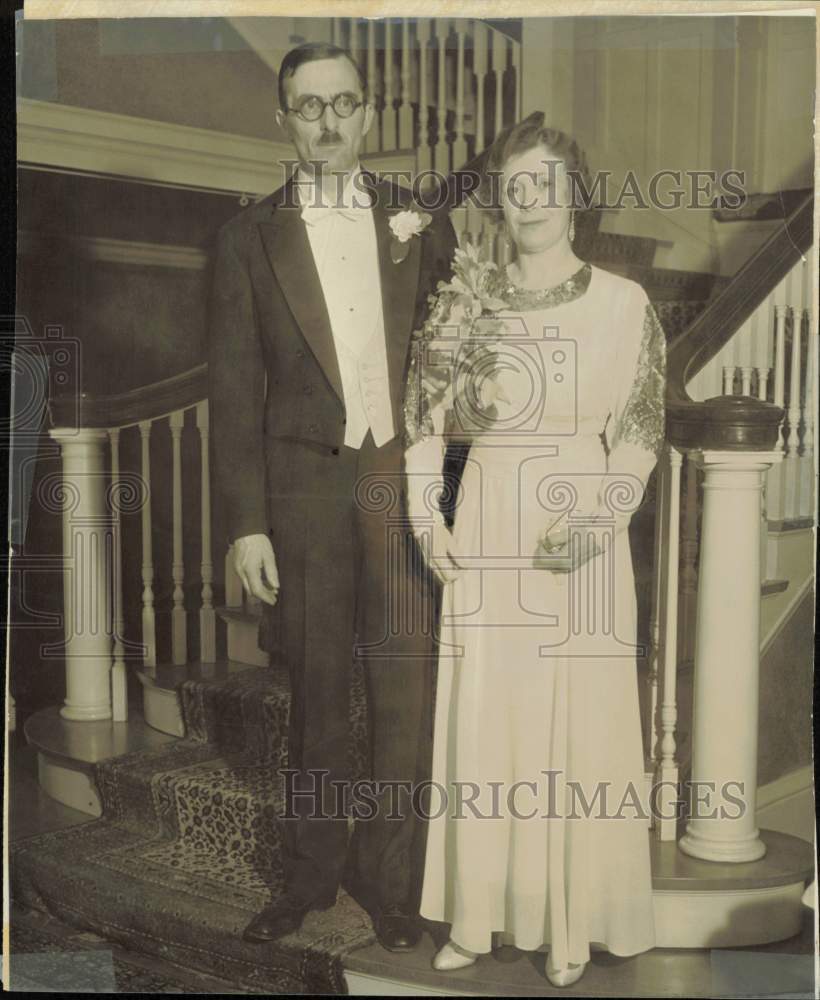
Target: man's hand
column 438, row 546
column 252, row 557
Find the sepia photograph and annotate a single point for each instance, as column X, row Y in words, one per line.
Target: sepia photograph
column 412, row 500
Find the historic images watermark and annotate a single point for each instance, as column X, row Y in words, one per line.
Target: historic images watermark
column 553, row 796
column 665, row 190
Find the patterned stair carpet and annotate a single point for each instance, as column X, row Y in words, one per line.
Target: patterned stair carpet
column 187, row 848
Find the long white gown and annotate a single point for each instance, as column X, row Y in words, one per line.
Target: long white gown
column 537, row 685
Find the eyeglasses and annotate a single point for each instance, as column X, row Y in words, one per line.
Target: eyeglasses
column 311, row 108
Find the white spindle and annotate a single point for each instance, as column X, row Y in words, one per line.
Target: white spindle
column 389, row 141
column 425, row 148
column 354, row 40
column 207, row 615
column 660, row 557
column 781, row 312
column 149, row 631
column 119, row 680
column 480, row 45
column 371, row 140
column 498, row 55
column 460, row 142
column 728, row 380
column 667, row 775
column 689, row 554
column 179, row 641
column 516, row 66
column 442, row 147
column 793, row 442
column 405, row 126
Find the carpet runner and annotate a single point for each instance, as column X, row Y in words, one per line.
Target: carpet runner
column 187, row 848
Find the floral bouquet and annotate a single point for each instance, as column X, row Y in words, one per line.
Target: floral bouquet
column 464, row 325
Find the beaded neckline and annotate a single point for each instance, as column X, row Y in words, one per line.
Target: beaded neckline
column 523, row 299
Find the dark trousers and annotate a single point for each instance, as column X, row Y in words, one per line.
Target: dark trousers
column 353, row 583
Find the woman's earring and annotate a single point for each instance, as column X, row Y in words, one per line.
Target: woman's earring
column 572, row 228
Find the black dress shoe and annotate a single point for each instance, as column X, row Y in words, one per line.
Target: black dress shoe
column 283, row 917
column 397, row 930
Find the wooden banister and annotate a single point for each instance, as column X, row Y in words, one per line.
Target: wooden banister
column 145, row 403
column 722, row 318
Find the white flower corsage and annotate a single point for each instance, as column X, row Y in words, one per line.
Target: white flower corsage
column 404, row 226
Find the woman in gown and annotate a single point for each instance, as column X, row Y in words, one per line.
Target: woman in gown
column 540, row 833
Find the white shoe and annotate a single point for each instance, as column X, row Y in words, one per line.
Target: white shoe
column 567, row 976
column 452, row 957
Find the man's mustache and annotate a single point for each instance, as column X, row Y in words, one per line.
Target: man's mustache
column 329, row 138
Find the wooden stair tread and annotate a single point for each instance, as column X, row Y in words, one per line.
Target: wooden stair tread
column 787, row 860
column 87, row 743
column 773, row 587
column 169, row 676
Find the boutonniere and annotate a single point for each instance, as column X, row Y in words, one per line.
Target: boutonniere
column 404, row 226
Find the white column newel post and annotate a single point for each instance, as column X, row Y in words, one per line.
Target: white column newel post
column 722, row 824
column 86, row 577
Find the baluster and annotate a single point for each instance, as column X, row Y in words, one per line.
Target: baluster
column 728, row 380
column 354, row 39
column 761, row 347
column 149, row 631
column 442, row 148
column 689, row 554
column 780, row 312
column 659, row 558
column 667, row 774
column 336, row 32
column 460, row 142
column 207, row 615
column 119, row 680
column 389, row 140
column 480, row 44
column 498, row 64
column 793, row 443
column 743, row 338
column 405, row 123
column 809, row 416
column 425, row 148
column 371, row 140
column 179, row 641
column 516, row 68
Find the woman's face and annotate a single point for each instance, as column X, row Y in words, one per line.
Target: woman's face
column 536, row 200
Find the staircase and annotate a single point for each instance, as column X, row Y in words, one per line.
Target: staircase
column 177, row 773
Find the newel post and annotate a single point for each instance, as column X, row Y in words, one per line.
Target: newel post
column 87, row 550
column 734, row 440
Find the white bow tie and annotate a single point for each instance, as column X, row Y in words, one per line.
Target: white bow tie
column 314, row 215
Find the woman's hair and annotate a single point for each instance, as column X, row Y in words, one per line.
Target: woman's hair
column 520, row 138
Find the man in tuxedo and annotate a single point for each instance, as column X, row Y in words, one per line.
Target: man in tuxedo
column 314, row 300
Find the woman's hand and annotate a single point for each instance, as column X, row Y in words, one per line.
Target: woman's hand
column 562, row 550
column 437, row 545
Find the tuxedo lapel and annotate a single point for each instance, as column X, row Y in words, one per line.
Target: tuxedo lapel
column 399, row 286
column 287, row 246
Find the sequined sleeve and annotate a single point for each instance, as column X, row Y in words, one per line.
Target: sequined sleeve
column 418, row 423
column 642, row 419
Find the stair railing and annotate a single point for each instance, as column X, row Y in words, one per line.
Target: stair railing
column 443, row 87
column 706, row 581
column 94, row 494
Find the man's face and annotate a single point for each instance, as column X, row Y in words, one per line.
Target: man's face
column 333, row 140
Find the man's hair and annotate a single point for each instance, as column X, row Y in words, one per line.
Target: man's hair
column 312, row 52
